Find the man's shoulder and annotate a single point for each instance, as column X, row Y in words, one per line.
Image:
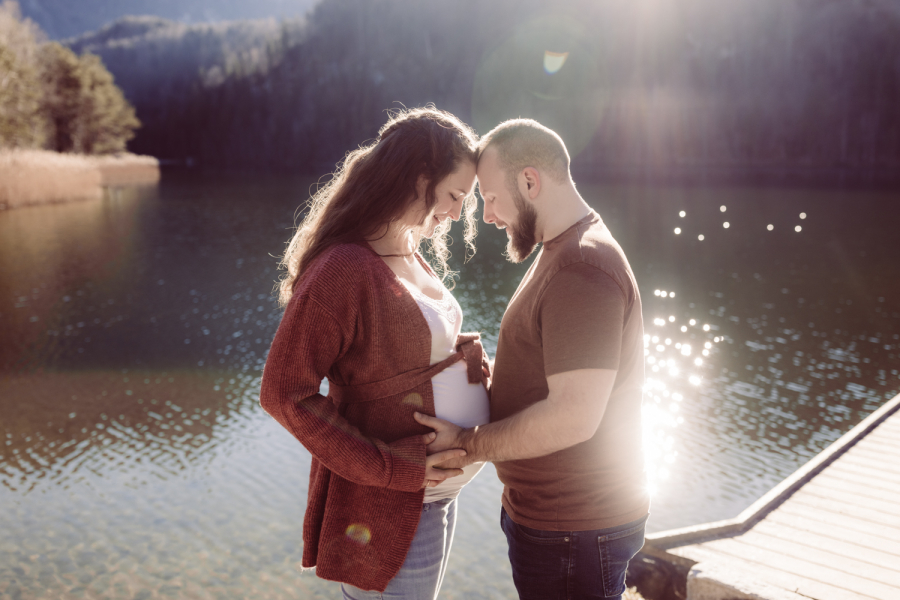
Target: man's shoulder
column 590, row 245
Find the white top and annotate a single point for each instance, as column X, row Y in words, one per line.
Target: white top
column 455, row 399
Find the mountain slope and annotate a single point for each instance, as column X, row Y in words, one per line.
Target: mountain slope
column 67, row 18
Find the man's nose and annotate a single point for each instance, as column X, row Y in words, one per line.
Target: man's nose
column 488, row 214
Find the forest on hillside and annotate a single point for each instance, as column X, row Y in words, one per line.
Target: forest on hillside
column 753, row 87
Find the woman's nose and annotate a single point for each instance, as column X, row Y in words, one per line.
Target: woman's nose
column 456, row 210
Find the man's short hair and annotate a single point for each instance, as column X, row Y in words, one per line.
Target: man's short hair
column 524, row 143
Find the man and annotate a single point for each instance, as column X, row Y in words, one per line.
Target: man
column 565, row 430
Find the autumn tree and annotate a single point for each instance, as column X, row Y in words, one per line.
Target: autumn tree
column 106, row 121
column 84, row 109
column 61, row 101
column 20, row 123
column 53, row 98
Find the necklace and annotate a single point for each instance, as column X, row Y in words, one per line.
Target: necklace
column 397, row 255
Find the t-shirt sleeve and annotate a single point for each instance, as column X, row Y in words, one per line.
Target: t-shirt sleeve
column 582, row 314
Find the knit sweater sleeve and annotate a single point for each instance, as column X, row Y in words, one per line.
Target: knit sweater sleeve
column 308, row 342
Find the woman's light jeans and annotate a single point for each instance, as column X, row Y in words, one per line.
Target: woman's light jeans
column 422, row 572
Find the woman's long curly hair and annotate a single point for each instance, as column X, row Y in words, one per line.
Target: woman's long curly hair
column 376, row 184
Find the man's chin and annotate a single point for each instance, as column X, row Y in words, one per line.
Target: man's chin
column 516, row 253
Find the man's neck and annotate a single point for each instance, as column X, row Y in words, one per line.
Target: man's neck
column 562, row 208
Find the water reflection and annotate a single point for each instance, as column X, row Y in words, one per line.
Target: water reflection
column 148, row 425
column 55, row 257
column 134, row 460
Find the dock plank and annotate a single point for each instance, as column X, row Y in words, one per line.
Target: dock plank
column 827, row 573
column 830, row 519
column 881, row 438
column 839, row 530
column 853, row 497
column 848, row 563
column 874, row 452
column 789, row 573
column 842, row 508
column 867, row 489
column 855, row 477
column 870, row 472
column 782, row 579
column 889, row 429
column 787, row 536
column 883, row 464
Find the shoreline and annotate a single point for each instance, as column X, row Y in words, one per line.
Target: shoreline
column 35, row 177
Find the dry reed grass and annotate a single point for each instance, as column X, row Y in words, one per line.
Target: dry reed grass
column 36, row 176
column 30, row 177
column 127, row 169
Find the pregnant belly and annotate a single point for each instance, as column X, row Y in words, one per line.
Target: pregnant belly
column 458, row 401
column 465, row 404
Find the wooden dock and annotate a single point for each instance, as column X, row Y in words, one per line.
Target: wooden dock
column 829, row 532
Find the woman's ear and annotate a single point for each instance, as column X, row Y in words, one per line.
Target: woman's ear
column 421, row 187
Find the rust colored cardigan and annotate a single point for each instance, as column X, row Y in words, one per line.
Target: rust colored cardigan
column 352, row 320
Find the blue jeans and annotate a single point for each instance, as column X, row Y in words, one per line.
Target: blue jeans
column 422, row 572
column 570, row 565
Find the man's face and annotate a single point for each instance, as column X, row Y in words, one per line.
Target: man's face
column 506, row 208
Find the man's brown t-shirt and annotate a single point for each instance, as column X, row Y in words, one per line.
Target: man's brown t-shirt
column 578, row 307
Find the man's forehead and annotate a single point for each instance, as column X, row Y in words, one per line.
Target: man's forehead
column 488, row 166
column 488, row 157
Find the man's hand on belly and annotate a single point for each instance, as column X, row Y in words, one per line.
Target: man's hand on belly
column 446, row 438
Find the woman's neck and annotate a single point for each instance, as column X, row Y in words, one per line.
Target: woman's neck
column 394, row 242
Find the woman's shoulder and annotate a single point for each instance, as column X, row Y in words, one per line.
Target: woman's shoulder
column 339, row 269
column 350, row 254
column 342, row 259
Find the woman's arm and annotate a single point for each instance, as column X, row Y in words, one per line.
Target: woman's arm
column 308, row 342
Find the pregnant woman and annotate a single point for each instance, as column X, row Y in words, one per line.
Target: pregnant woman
column 365, row 311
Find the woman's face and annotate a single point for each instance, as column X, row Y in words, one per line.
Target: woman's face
column 449, row 196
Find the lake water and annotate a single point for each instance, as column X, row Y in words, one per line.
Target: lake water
column 135, row 461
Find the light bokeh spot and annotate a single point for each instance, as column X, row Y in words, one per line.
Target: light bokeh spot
column 359, row 534
column 554, row 61
column 565, row 91
column 415, row 399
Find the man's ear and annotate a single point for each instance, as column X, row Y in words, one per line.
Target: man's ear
column 531, row 181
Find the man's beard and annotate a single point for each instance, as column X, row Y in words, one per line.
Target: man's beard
column 522, row 240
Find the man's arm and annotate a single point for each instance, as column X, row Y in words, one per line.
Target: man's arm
column 569, row 415
column 581, row 316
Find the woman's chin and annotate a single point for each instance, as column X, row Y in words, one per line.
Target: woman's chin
column 428, row 231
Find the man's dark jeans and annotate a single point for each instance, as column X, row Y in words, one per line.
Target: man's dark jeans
column 570, row 565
